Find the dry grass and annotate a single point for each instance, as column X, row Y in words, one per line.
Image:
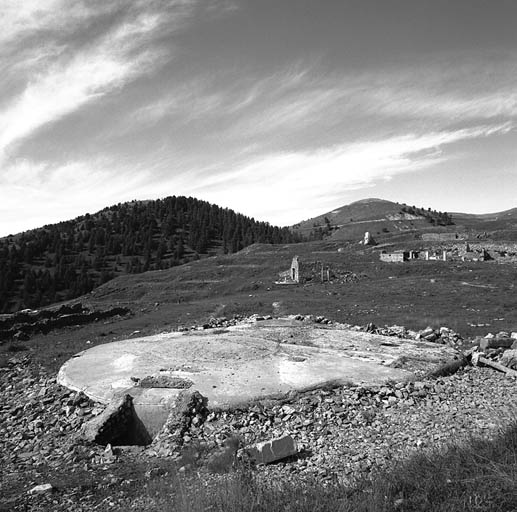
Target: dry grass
column 480, row 475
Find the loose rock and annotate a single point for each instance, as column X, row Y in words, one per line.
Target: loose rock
column 273, row 450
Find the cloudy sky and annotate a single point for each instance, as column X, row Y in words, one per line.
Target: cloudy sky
column 279, row 109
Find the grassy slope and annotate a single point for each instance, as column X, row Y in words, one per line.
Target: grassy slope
column 415, row 294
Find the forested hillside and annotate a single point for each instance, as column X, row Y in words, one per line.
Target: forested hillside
column 66, row 260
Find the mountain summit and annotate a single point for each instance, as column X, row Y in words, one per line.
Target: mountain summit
column 377, row 216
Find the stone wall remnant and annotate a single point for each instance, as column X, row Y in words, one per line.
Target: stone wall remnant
column 189, row 409
column 368, row 239
column 295, row 269
column 393, row 257
column 118, row 425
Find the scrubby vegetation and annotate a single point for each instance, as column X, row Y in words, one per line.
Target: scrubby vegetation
column 478, row 475
column 434, row 217
column 474, row 476
column 66, row 260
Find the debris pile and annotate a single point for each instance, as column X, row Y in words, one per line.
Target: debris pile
column 222, row 322
column 22, row 325
column 186, row 416
column 443, row 335
column 39, row 419
column 342, row 433
column 499, row 351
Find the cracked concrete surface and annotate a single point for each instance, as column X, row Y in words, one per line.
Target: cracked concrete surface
column 244, row 363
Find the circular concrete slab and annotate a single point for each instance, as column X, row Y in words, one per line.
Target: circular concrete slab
column 243, row 363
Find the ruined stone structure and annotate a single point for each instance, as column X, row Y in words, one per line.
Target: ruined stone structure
column 436, row 255
column 401, row 256
column 314, row 271
column 368, row 239
column 499, row 252
column 463, row 251
column 394, row 257
column 118, row 424
column 295, row 274
column 295, row 270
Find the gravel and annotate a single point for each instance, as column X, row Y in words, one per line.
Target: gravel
column 346, row 432
column 343, row 433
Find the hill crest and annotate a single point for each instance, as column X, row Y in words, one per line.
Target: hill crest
column 65, row 260
column 378, row 216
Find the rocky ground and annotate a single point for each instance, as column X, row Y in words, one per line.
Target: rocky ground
column 342, row 433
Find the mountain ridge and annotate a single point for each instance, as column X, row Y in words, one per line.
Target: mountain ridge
column 382, row 217
column 69, row 259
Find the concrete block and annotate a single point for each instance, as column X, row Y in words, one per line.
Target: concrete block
column 273, row 450
column 487, row 343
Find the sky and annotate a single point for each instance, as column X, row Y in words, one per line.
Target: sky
column 279, row 109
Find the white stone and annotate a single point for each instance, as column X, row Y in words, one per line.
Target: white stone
column 475, row 358
column 40, row 489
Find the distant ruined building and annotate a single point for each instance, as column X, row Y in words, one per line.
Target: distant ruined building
column 313, row 271
column 501, row 253
column 368, row 239
column 401, row 256
column 394, row 257
column 294, row 275
column 295, row 269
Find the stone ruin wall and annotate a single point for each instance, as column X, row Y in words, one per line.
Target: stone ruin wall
column 392, row 257
column 503, row 253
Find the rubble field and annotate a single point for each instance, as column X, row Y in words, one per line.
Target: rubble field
column 335, row 433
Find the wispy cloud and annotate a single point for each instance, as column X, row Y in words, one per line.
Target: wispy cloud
column 165, row 107
column 281, row 104
column 73, row 79
column 52, row 192
column 32, row 17
column 452, row 107
column 326, row 174
column 190, row 102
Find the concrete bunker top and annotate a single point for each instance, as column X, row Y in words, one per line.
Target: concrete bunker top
column 242, row 363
